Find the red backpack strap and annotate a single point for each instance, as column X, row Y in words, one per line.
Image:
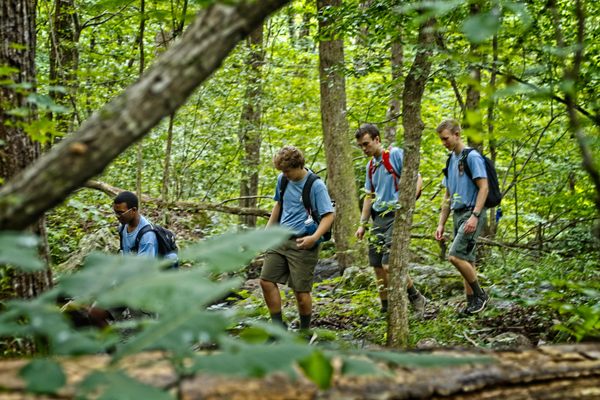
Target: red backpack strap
column 371, row 171
column 385, row 159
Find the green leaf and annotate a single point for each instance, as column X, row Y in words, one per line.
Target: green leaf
column 426, row 360
column 481, row 27
column 21, row 251
column 232, row 251
column 257, row 360
column 43, row 376
column 358, row 367
column 318, row 369
column 116, row 385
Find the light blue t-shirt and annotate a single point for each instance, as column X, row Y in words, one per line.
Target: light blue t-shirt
column 463, row 191
column 386, row 195
column 148, row 243
column 294, row 214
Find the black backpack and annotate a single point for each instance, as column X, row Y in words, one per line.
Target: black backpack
column 312, row 177
column 164, row 237
column 494, row 196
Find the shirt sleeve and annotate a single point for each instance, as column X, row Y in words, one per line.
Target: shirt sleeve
column 148, row 245
column 322, row 199
column 368, row 186
column 397, row 159
column 477, row 165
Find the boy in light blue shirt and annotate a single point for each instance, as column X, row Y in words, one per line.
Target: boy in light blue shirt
column 466, row 199
column 293, row 262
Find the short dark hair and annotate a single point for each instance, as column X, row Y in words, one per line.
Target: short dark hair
column 367, row 129
column 127, row 197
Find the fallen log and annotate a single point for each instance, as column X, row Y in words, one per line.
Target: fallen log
column 549, row 372
column 187, row 206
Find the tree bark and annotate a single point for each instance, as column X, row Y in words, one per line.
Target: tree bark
column 250, row 133
column 472, row 116
column 163, row 88
column 412, row 96
column 551, row 372
column 393, row 111
column 17, row 150
column 340, row 173
column 64, row 61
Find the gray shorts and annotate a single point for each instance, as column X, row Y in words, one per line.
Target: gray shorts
column 292, row 266
column 464, row 245
column 380, row 239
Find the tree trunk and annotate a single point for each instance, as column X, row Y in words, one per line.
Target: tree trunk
column 393, row 111
column 64, row 61
column 493, row 224
column 552, row 372
column 17, row 151
column 250, row 135
column 340, row 173
column 106, row 134
column 140, row 145
column 472, row 113
column 412, row 96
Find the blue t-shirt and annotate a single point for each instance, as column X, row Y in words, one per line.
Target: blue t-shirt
column 294, row 214
column 463, row 191
column 148, row 243
column 386, row 195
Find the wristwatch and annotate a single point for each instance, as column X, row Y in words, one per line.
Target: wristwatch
column 476, row 213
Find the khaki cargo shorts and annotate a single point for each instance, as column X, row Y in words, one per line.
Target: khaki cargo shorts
column 464, row 244
column 290, row 265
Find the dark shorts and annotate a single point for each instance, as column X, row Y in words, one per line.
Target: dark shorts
column 292, row 266
column 464, row 245
column 380, row 239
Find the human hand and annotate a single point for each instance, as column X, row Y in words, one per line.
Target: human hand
column 439, row 232
column 360, row 232
column 306, row 242
column 471, row 224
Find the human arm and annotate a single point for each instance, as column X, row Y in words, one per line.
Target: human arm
column 364, row 215
column 419, row 185
column 439, row 232
column 482, row 185
column 274, row 218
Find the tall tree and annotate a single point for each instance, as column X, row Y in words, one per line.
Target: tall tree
column 140, row 145
column 17, row 150
column 393, row 111
column 412, row 97
column 64, row 60
column 249, row 133
column 335, row 131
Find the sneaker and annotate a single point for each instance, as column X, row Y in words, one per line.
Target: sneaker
column 418, row 303
column 463, row 307
column 478, row 304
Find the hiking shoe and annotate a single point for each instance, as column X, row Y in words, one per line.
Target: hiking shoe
column 478, row 304
column 463, row 307
column 418, row 303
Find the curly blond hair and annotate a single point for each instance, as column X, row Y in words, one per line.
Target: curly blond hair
column 288, row 157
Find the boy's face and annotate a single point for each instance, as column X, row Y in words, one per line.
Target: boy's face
column 293, row 174
column 124, row 214
column 368, row 145
column 449, row 139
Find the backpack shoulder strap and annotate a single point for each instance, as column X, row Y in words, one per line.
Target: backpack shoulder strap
column 121, row 230
column 463, row 158
column 142, row 232
column 312, row 177
column 445, row 170
column 385, row 159
column 371, row 172
column 282, row 186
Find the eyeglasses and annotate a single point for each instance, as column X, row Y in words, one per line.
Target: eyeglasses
column 121, row 213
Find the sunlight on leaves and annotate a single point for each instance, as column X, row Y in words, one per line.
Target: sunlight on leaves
column 318, row 369
column 481, row 27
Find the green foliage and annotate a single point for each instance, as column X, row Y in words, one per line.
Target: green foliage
column 20, row 250
column 43, row 376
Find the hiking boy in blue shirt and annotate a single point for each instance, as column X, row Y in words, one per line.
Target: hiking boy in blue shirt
column 293, row 263
column 380, row 203
column 465, row 197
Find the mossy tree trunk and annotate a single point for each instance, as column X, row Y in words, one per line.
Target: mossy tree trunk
column 412, row 96
column 340, row 174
